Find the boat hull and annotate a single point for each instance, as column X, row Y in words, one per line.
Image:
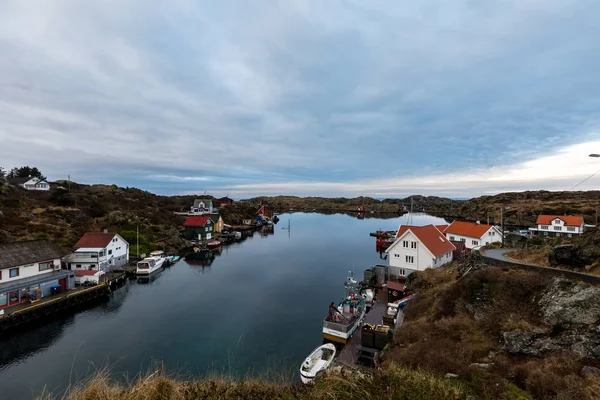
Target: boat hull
column 158, row 265
column 342, row 337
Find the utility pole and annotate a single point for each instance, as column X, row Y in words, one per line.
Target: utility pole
column 502, row 223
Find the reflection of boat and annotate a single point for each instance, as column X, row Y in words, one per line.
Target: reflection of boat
column 149, row 265
column 342, row 321
column 237, row 235
column 149, row 277
column 317, row 362
column 201, row 259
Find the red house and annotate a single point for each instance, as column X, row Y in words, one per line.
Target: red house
column 225, row 201
column 266, row 212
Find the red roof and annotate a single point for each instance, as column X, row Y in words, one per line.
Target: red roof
column 197, row 220
column 395, row 286
column 95, row 240
column 431, row 237
column 469, row 229
column 84, row 272
column 442, row 228
column 569, row 220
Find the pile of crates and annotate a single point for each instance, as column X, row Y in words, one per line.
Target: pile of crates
column 374, row 337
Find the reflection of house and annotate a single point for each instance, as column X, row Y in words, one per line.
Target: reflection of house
column 29, row 270
column 558, row 225
column 225, row 201
column 30, row 183
column 198, row 227
column 99, row 251
column 473, row 234
column 266, row 212
column 417, row 248
column 201, row 207
column 217, row 221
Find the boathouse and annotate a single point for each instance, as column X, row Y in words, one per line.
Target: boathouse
column 217, row 221
column 198, row 227
column 99, row 251
column 31, row 270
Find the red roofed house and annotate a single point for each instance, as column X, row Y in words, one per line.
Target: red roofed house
column 418, row 248
column 101, row 251
column 266, row 212
column 473, row 234
column 198, row 227
column 558, row 225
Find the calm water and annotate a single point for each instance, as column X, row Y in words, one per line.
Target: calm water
column 259, row 304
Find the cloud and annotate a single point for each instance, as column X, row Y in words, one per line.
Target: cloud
column 215, row 95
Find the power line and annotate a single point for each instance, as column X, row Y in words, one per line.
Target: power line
column 591, row 176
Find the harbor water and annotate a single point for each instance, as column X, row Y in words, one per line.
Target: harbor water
column 253, row 308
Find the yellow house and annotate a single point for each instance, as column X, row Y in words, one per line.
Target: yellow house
column 217, row 221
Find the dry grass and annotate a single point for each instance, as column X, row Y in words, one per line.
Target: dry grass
column 392, row 382
column 532, row 256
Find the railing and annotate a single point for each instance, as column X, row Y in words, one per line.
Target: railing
column 85, row 255
column 337, row 326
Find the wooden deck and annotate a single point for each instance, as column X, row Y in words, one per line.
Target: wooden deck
column 375, row 316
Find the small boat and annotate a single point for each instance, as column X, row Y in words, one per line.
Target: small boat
column 384, row 240
column 213, row 244
column 174, row 259
column 317, row 362
column 149, row 265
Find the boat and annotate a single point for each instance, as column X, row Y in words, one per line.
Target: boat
column 237, row 235
column 174, row 259
column 275, row 219
column 341, row 322
column 317, row 362
column 213, row 244
column 384, row 240
column 149, row 265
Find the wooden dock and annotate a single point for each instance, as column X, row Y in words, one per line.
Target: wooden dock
column 348, row 355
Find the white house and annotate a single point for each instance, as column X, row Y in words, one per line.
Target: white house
column 99, row 251
column 201, row 207
column 31, row 183
column 558, row 225
column 417, row 248
column 29, row 271
column 473, row 234
column 88, row 277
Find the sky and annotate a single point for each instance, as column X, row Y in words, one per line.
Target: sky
column 330, row 98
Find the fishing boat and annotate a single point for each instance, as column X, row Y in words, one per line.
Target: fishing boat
column 384, row 240
column 317, row 362
column 342, row 321
column 149, row 265
column 213, row 244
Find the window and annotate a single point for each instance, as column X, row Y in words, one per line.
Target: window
column 452, row 238
column 13, row 272
column 46, row 266
column 410, row 259
column 463, row 240
column 474, row 242
column 493, row 233
column 78, row 266
column 405, row 243
column 571, row 228
column 397, row 255
column 110, row 252
column 487, row 243
column 413, row 245
column 556, row 222
column 402, row 272
column 557, row 228
column 544, row 226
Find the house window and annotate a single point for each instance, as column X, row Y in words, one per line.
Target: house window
column 487, row 243
column 452, row 238
column 571, row 228
column 13, row 272
column 544, row 226
column 402, row 272
column 413, row 245
column 463, row 240
column 110, row 252
column 78, row 266
column 46, row 266
column 397, row 255
column 493, row 233
column 405, row 243
column 557, row 228
column 410, row 259
column 474, row 242
column 556, row 222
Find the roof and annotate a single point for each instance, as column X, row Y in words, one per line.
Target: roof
column 214, row 217
column 83, row 272
column 207, row 202
column 442, row 228
column 225, row 199
column 569, row 220
column 430, row 237
column 95, row 240
column 34, row 280
column 395, row 286
column 196, row 220
column 32, row 251
column 469, row 229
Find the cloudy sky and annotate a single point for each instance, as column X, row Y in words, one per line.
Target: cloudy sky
column 379, row 98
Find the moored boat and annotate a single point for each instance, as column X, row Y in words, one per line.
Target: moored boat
column 149, row 265
column 342, row 321
column 213, row 244
column 174, row 259
column 317, row 362
column 384, row 240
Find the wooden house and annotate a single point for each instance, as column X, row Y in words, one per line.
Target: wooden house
column 217, row 221
column 198, row 227
column 266, row 212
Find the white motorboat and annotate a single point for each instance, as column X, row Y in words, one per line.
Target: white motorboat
column 149, row 265
column 342, row 322
column 317, row 362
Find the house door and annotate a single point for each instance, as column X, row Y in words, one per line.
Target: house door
column 63, row 284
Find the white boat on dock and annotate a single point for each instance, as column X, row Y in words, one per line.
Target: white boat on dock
column 149, row 265
column 317, row 362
